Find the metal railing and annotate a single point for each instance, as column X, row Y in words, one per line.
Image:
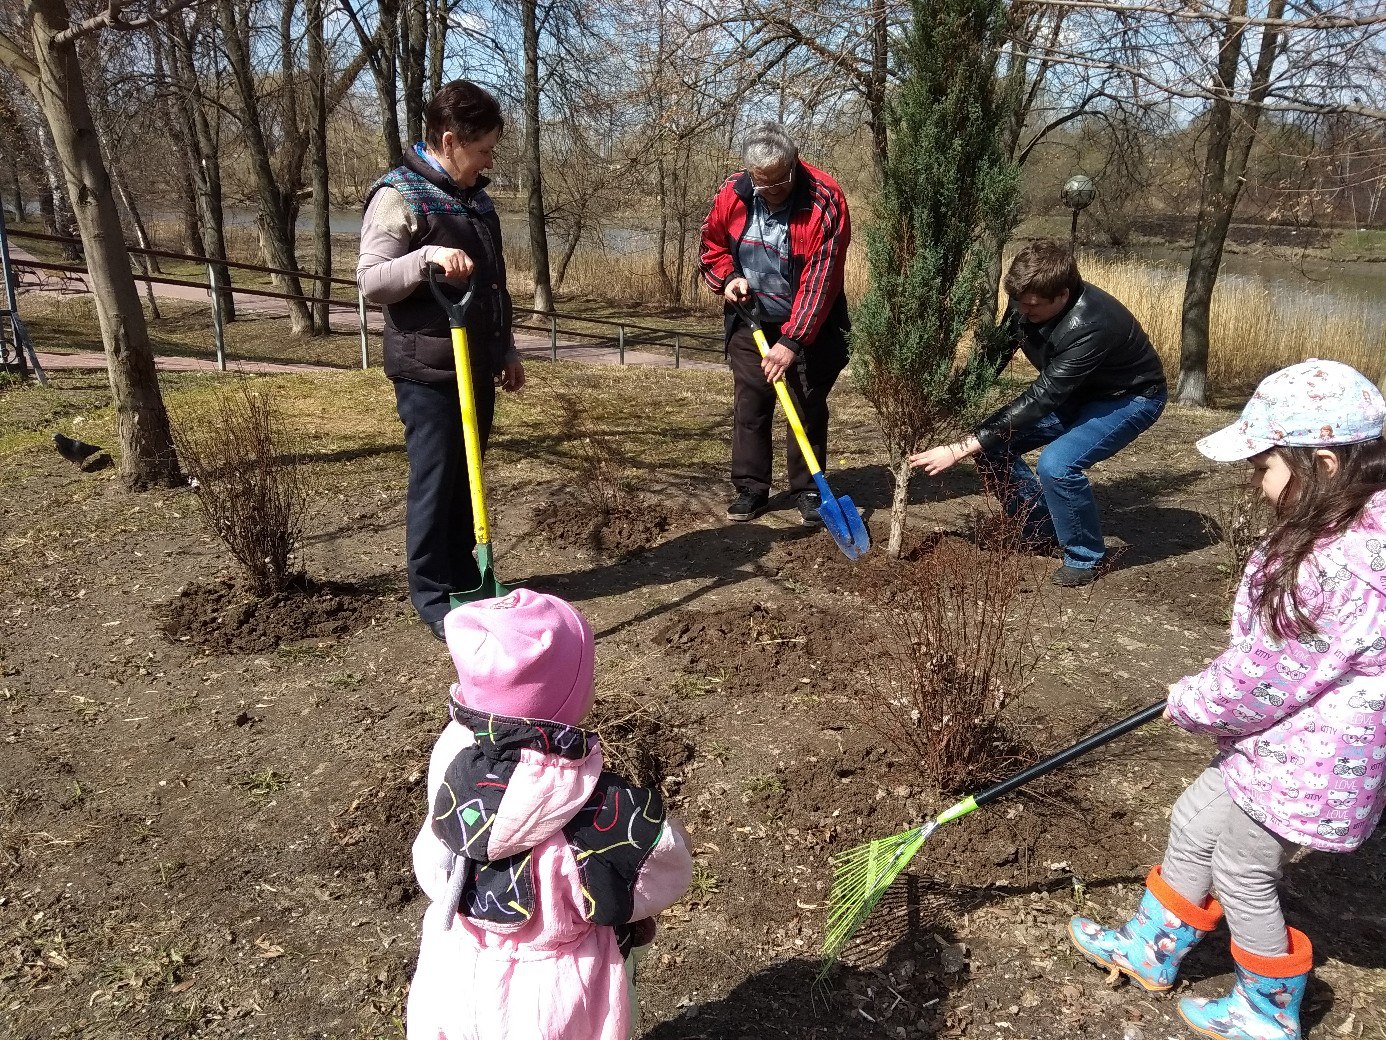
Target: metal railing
column 626, row 334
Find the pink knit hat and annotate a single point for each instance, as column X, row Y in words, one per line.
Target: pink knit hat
column 526, row 655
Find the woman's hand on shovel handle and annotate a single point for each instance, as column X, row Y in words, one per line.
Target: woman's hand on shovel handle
column 512, row 376
column 456, row 264
column 934, row 461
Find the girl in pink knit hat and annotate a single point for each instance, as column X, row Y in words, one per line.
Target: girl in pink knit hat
column 544, row 872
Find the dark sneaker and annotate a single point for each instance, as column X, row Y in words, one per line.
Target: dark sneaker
column 808, row 503
column 748, row 506
column 1073, row 577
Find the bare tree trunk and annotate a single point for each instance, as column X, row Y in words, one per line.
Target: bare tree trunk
column 538, row 230
column 899, row 501
column 1231, row 133
column 203, row 160
column 61, row 220
column 277, row 207
column 147, row 454
column 322, row 209
column 381, row 51
column 149, row 263
column 876, row 84
column 437, row 40
column 413, row 32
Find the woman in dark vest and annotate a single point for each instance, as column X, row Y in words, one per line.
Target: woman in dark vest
column 434, row 209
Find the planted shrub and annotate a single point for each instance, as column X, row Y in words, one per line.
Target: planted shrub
column 962, row 648
column 248, row 480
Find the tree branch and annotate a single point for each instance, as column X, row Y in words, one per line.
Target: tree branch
column 113, row 18
column 13, row 57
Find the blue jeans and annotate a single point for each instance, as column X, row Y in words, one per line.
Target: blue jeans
column 1055, row 500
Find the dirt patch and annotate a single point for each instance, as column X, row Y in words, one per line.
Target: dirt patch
column 615, row 534
column 225, row 617
column 644, row 741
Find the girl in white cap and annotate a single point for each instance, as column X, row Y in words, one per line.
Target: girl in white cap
column 544, row 871
column 1297, row 704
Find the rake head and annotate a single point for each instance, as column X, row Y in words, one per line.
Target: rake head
column 860, row 877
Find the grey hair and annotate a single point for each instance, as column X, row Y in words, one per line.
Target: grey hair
column 767, row 145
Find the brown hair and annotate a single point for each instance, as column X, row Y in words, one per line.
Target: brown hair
column 1314, row 505
column 469, row 111
column 1045, row 268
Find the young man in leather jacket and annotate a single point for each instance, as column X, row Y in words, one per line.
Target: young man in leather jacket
column 1100, row 386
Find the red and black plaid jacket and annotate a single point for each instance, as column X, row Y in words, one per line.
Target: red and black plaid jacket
column 819, row 233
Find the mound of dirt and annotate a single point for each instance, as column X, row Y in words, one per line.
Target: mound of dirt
column 225, row 617
column 642, row 740
column 763, row 648
column 636, row 525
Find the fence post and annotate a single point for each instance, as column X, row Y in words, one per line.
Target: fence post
column 677, row 339
column 553, row 337
column 621, row 343
column 218, row 334
column 361, row 320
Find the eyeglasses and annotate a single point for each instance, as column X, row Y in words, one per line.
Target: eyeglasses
column 761, row 189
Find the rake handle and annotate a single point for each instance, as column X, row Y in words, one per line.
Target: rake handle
column 1067, row 755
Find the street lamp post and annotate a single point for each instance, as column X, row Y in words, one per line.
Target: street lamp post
column 1078, row 194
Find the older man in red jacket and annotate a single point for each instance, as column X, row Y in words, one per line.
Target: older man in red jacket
column 779, row 230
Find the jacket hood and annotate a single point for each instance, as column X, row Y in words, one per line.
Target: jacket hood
column 519, row 783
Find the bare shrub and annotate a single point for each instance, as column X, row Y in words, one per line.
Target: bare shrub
column 962, row 648
column 596, row 477
column 1238, row 521
column 249, row 484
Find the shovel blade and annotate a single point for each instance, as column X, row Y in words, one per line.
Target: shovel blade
column 842, row 520
column 490, row 588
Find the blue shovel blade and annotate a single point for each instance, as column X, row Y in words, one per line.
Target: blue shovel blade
column 842, row 521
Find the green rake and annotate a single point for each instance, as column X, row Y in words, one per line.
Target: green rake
column 862, row 875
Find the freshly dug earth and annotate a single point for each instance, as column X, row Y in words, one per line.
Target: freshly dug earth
column 208, row 835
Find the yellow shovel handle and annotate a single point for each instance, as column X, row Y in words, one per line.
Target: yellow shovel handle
column 471, row 436
column 790, row 412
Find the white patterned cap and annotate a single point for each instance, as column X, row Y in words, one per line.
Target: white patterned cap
column 1313, row 404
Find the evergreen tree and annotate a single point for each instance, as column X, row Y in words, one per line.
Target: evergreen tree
column 947, row 187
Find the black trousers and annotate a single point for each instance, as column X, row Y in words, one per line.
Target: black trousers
column 809, row 379
column 438, row 521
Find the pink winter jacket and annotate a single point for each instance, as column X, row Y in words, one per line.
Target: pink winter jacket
column 1301, row 726
column 542, row 872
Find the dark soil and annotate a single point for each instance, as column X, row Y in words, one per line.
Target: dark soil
column 207, row 834
column 634, row 525
column 226, row 617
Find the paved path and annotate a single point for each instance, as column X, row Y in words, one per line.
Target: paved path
column 529, row 345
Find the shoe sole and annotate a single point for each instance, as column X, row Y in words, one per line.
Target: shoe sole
column 741, row 518
column 1113, row 966
column 1199, row 1029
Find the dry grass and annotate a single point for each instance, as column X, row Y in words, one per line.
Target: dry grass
column 1254, row 330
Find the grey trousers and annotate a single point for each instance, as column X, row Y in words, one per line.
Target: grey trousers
column 1216, row 847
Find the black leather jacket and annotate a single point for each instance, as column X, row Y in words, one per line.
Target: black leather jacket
column 1094, row 349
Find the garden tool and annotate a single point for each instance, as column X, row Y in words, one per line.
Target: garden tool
column 471, row 439
column 839, row 514
column 862, row 875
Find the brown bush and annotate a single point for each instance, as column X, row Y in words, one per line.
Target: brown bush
column 962, row 647
column 1238, row 520
column 249, row 484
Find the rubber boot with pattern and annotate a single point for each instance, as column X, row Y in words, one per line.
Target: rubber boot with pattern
column 1264, row 1003
column 1150, row 946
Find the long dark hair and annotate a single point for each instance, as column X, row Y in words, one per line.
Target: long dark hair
column 1313, row 506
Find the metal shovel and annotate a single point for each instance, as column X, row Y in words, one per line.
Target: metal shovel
column 840, row 515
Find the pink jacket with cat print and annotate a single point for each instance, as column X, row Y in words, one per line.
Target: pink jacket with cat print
column 542, row 871
column 1301, row 726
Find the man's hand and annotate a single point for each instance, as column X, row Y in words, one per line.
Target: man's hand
column 737, row 290
column 512, row 376
column 456, row 264
column 776, row 362
column 934, row 461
